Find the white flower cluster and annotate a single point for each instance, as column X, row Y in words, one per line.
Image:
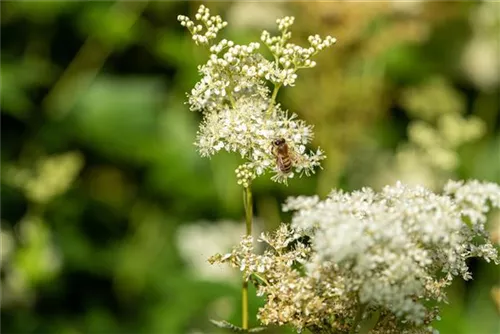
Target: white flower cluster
column 212, row 25
column 392, row 244
column 228, row 76
column 197, row 241
column 52, row 176
column 240, row 113
column 250, row 131
column 289, row 56
column 386, row 256
column 436, row 134
column 480, row 59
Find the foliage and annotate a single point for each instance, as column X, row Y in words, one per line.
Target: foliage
column 100, row 175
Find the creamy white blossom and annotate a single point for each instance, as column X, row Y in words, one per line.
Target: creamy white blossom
column 480, row 60
column 239, row 111
column 364, row 255
column 248, row 130
column 199, row 240
column 212, row 25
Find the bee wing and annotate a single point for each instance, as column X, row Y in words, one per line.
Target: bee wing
column 295, row 157
column 279, row 161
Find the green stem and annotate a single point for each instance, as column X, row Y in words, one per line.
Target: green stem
column 273, row 98
column 247, row 197
column 369, row 323
column 247, row 200
column 244, row 304
column 231, row 99
column 261, row 278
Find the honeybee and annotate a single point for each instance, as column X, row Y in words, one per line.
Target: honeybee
column 284, row 156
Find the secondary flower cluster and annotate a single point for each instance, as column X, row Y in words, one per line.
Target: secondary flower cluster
column 240, row 113
column 442, row 128
column 212, row 24
column 369, row 260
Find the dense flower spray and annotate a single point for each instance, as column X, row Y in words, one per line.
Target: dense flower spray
column 368, row 260
column 240, row 113
column 357, row 262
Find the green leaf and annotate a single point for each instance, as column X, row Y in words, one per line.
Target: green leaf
column 118, row 117
column 369, row 323
column 37, row 11
column 20, row 76
column 227, row 325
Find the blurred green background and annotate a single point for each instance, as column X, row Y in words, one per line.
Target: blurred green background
column 109, row 213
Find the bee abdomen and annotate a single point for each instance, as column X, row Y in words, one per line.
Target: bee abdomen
column 286, row 166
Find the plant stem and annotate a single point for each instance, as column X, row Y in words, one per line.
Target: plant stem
column 273, row 98
column 247, row 197
column 247, row 201
column 244, row 304
column 231, row 98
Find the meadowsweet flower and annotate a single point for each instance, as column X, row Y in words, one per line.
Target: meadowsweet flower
column 480, row 60
column 239, row 111
column 51, row 176
column 366, row 256
column 247, row 129
column 212, row 23
column 197, row 241
column 439, row 130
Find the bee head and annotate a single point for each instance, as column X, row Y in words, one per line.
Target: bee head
column 278, row 142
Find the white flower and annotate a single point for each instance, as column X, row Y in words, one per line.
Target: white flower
column 249, row 130
column 480, row 59
column 199, row 240
column 390, row 245
column 391, row 253
column 481, row 63
column 239, row 113
column 212, row 24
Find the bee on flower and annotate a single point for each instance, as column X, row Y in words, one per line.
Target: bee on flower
column 240, row 113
